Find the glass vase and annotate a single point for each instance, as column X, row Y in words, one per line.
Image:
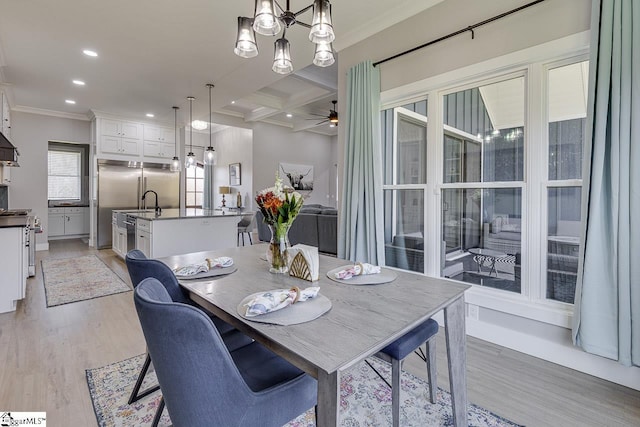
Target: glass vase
column 278, row 250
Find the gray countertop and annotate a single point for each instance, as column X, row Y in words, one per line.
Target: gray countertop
column 14, row 221
column 180, row 214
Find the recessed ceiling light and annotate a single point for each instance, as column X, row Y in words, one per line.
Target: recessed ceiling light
column 90, row 52
column 233, row 102
column 69, row 101
column 289, row 115
column 78, row 82
column 332, row 125
column 150, row 115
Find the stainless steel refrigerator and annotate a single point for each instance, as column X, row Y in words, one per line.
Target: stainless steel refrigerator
column 121, row 186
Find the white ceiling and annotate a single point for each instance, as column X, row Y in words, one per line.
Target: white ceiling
column 155, row 53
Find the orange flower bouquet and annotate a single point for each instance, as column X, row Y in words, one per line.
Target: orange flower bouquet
column 279, row 206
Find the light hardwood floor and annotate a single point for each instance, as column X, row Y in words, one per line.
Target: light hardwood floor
column 45, row 352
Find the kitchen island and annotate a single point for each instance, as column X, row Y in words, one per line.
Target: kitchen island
column 177, row 231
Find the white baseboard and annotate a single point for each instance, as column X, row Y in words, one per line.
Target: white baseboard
column 561, row 353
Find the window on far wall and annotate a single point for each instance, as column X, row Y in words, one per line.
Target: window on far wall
column 65, row 175
column 195, row 186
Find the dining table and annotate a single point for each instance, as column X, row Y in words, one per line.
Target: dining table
column 362, row 320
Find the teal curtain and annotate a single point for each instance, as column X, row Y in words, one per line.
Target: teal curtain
column 607, row 309
column 361, row 232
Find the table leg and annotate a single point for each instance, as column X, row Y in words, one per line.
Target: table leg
column 328, row 395
column 457, row 358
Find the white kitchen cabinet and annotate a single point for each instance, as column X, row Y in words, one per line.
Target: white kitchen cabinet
column 71, row 221
column 119, row 137
column 5, row 175
column 159, row 150
column 119, row 240
column 159, row 134
column 158, row 142
column 14, row 266
column 144, row 237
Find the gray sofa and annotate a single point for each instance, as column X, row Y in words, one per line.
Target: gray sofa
column 315, row 225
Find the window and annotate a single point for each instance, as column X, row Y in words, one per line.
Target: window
column 483, row 158
column 65, row 174
column 195, row 186
column 493, row 189
column 566, row 113
column 405, row 145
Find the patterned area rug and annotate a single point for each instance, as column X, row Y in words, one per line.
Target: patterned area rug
column 365, row 400
column 77, row 279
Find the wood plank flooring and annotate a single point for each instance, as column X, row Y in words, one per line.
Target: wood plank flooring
column 45, row 352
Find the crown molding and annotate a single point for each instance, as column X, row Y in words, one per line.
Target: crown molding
column 52, row 113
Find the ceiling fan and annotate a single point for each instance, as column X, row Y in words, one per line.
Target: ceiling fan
column 332, row 118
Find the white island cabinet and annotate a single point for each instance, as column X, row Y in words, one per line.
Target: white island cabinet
column 177, row 232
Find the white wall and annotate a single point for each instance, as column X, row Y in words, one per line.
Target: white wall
column 275, row 144
column 235, row 145
column 31, row 134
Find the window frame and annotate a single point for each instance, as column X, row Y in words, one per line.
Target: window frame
column 77, row 150
column 529, row 61
column 195, row 192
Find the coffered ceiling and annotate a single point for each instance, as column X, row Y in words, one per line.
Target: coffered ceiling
column 152, row 54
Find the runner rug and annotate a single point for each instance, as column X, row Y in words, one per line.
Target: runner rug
column 78, row 279
column 365, row 400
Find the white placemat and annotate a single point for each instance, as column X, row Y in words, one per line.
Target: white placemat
column 211, row 273
column 299, row 312
column 385, row 276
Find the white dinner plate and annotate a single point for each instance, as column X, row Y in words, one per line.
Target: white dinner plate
column 385, row 276
column 211, row 273
column 299, row 312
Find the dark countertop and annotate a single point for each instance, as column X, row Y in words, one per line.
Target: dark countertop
column 180, row 214
column 14, row 221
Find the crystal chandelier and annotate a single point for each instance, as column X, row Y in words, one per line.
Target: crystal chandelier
column 267, row 22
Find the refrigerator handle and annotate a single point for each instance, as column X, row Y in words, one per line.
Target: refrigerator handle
column 139, row 196
column 144, row 189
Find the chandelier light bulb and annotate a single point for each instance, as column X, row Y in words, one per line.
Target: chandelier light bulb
column 324, row 55
column 210, row 156
column 321, row 26
column 265, row 21
column 246, row 46
column 282, row 57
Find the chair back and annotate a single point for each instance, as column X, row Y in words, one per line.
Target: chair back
column 246, row 221
column 200, row 383
column 140, row 267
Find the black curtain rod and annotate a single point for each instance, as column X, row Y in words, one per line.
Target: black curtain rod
column 464, row 30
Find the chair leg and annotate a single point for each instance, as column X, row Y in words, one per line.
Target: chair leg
column 156, row 418
column 396, row 372
column 432, row 372
column 250, row 241
column 135, row 395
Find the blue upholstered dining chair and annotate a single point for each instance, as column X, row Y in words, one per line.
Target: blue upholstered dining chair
column 203, row 384
column 397, row 351
column 140, row 267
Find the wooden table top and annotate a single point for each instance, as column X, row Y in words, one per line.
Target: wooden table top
column 363, row 319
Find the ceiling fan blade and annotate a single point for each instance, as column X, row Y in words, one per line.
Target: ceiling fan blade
column 324, row 121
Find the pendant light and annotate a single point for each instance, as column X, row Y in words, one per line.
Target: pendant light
column 265, row 21
column 210, row 153
column 282, row 56
column 175, row 162
column 270, row 18
column 321, row 26
column 246, row 46
column 191, row 158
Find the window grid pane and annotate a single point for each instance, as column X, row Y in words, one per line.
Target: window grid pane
column 64, row 175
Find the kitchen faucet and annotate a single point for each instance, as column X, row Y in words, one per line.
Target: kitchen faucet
column 158, row 208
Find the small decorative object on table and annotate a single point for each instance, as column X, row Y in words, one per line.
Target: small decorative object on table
column 305, row 263
column 279, row 206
